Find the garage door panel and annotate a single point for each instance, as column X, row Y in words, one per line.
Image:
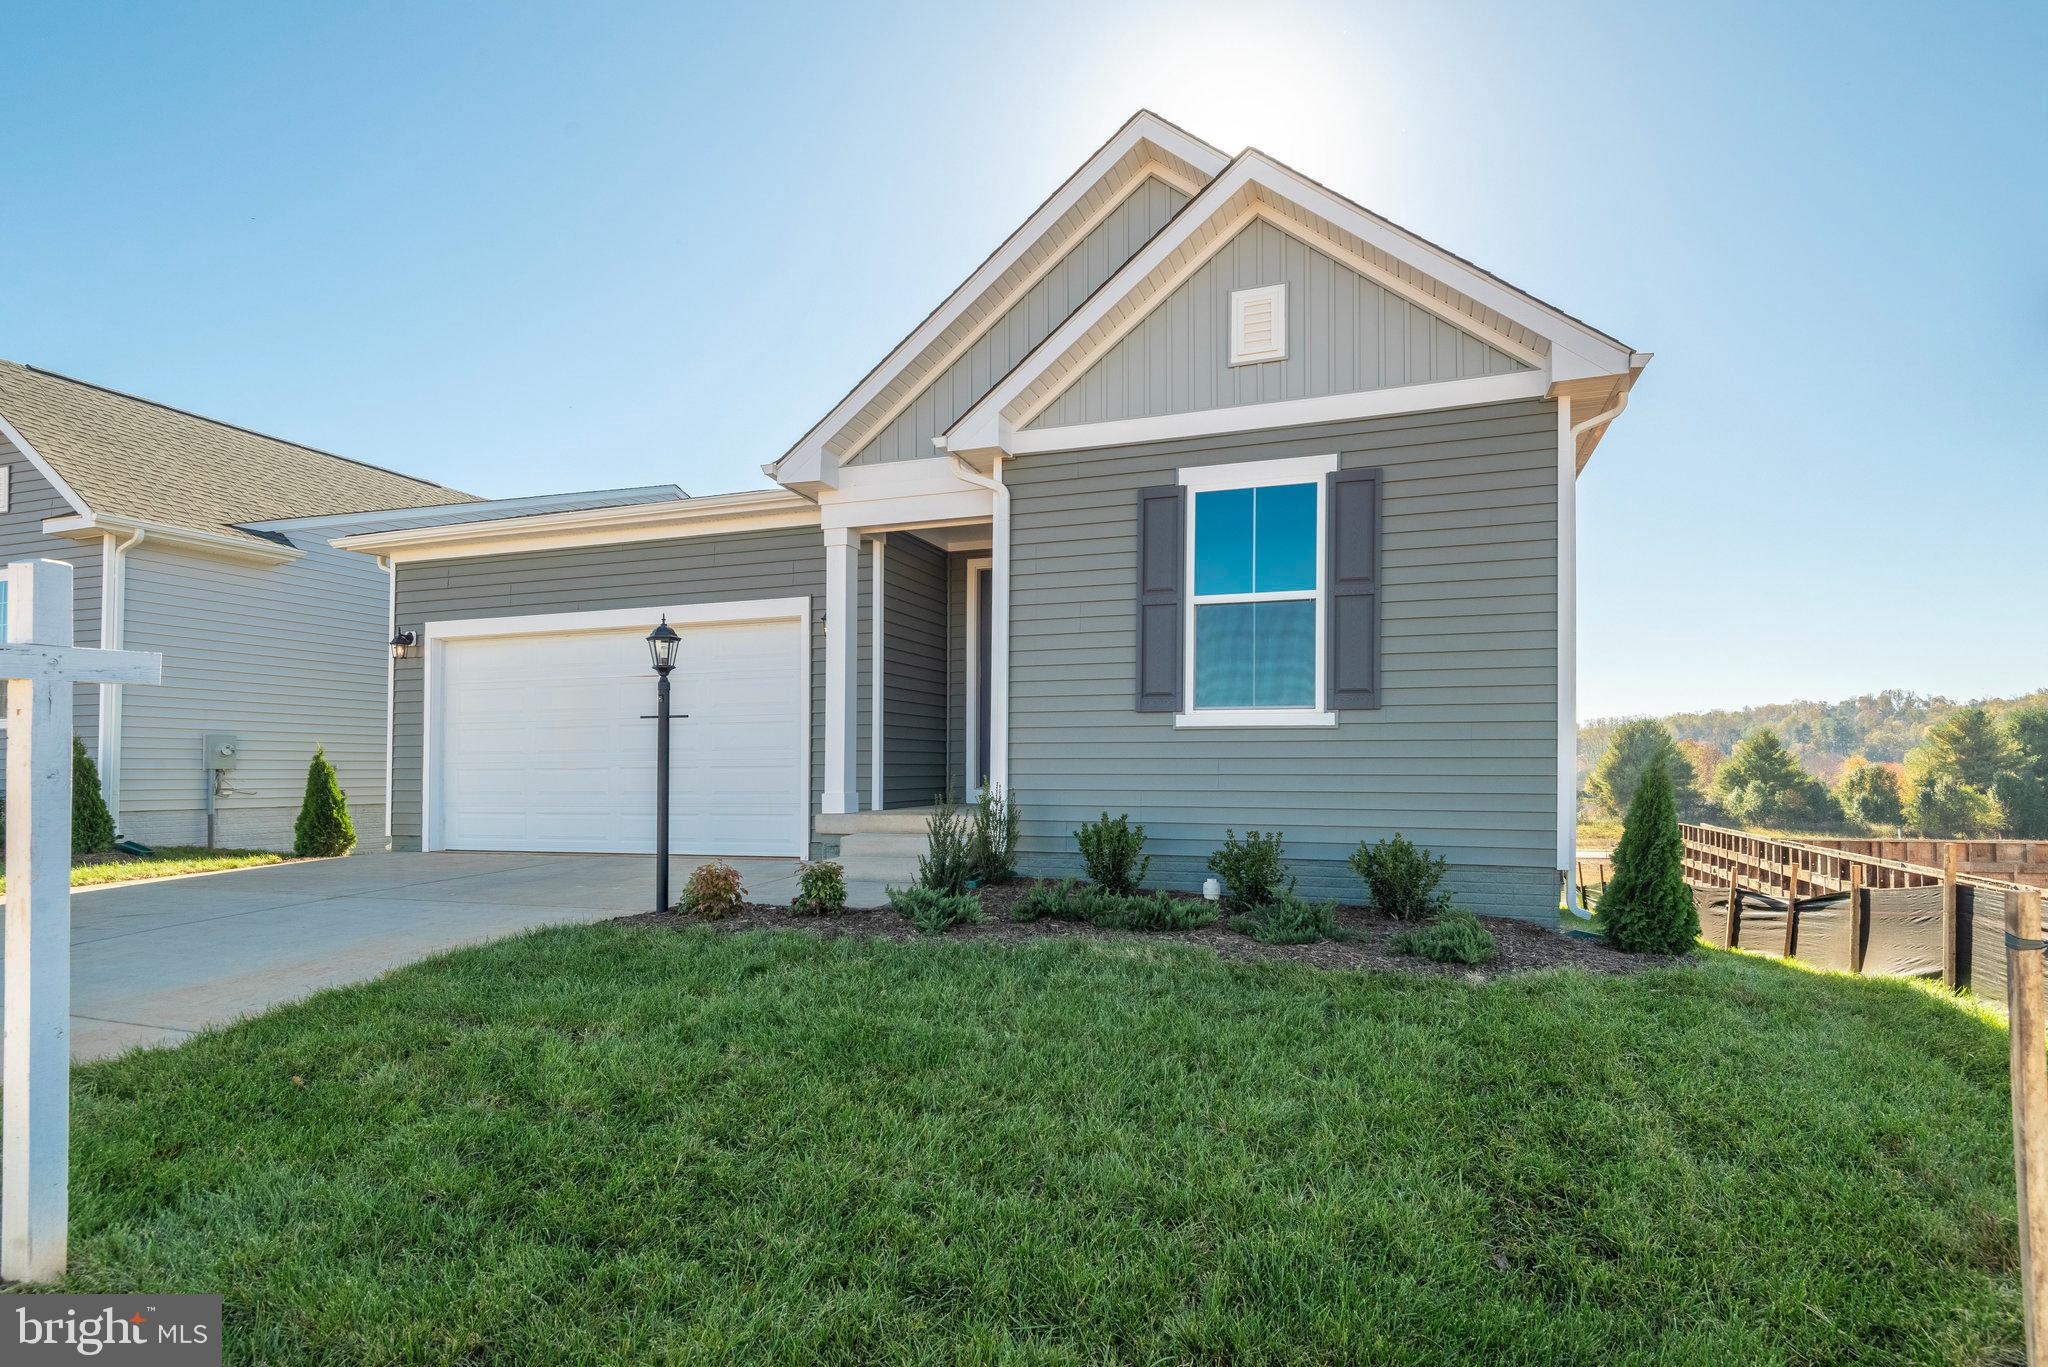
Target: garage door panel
column 543, row 745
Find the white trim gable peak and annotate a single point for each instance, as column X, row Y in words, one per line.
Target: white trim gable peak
column 1557, row 348
column 1146, row 145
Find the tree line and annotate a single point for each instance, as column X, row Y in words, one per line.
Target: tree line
column 1972, row 774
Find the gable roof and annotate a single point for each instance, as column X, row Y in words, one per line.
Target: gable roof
column 1145, row 145
column 1255, row 186
column 111, row 454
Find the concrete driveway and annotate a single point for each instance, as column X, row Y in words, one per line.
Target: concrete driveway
column 154, row 962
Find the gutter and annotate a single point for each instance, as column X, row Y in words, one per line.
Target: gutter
column 219, row 544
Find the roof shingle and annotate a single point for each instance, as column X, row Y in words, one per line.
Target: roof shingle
column 135, row 458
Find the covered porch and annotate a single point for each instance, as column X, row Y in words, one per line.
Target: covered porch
column 915, row 687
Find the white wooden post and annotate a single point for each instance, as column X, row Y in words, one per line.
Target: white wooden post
column 842, row 671
column 40, row 666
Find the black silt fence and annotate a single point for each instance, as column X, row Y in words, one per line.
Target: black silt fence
column 1899, row 935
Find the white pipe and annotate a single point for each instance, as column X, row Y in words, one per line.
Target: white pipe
column 876, row 627
column 999, row 622
column 113, row 633
column 390, row 687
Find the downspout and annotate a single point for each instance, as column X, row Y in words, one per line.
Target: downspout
column 390, row 685
column 1571, row 898
column 113, row 633
column 999, row 622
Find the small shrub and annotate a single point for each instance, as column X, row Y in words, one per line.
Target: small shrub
column 92, row 825
column 1289, row 920
column 323, row 829
column 1455, row 937
column 992, row 843
column 1646, row 906
column 934, row 912
column 820, row 889
column 948, row 860
column 1110, row 850
column 714, row 891
column 1251, row 870
column 1402, row 878
column 1050, row 901
column 1156, row 911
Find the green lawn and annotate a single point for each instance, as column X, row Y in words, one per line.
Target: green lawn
column 165, row 861
column 625, row 1144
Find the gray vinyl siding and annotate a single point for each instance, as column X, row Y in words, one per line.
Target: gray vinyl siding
column 741, row 566
column 31, row 499
column 913, row 673
column 1345, row 334
column 1028, row 322
column 1462, row 754
column 285, row 657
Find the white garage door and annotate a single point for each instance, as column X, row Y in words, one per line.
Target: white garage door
column 544, row 743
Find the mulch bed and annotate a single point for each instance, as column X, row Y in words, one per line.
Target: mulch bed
column 1519, row 946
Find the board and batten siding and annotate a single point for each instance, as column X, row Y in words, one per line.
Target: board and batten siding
column 1345, row 335
column 913, row 673
column 30, row 500
column 285, row 657
column 1461, row 756
column 1026, row 323
column 733, row 567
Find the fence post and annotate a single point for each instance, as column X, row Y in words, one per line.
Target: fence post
column 1791, row 904
column 1949, row 967
column 1859, row 917
column 2023, row 975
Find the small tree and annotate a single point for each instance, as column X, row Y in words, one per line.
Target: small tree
column 1647, row 907
column 1869, row 793
column 1634, row 747
column 92, row 825
column 323, row 830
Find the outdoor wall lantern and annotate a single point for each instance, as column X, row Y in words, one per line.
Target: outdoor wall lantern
column 402, row 643
column 662, row 645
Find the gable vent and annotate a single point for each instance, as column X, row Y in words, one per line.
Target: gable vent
column 1258, row 325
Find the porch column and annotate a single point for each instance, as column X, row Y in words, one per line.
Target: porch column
column 999, row 639
column 1567, row 648
column 842, row 670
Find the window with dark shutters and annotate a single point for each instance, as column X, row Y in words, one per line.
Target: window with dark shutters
column 1352, row 508
column 1162, row 521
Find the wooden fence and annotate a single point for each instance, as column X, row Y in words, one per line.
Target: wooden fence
column 1844, row 909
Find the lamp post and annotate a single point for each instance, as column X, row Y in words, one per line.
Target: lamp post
column 662, row 645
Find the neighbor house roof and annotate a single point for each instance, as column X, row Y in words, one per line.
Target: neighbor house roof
column 119, row 456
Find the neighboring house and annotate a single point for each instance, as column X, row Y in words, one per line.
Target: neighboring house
column 209, row 544
column 1210, row 497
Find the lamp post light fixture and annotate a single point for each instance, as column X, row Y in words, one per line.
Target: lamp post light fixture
column 662, row 646
column 402, row 643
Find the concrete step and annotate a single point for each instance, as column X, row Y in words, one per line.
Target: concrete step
column 898, row 820
column 882, row 844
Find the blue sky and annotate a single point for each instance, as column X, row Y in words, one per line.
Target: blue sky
column 521, row 248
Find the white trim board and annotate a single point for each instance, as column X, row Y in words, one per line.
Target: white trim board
column 718, row 514
column 437, row 634
column 1255, row 417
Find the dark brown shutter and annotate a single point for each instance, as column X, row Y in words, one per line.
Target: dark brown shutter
column 1162, row 523
column 1352, row 533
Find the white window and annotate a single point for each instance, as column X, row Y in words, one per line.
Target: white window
column 1258, row 325
column 1255, row 608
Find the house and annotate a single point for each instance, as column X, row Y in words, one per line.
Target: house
column 210, row 544
column 1210, row 497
